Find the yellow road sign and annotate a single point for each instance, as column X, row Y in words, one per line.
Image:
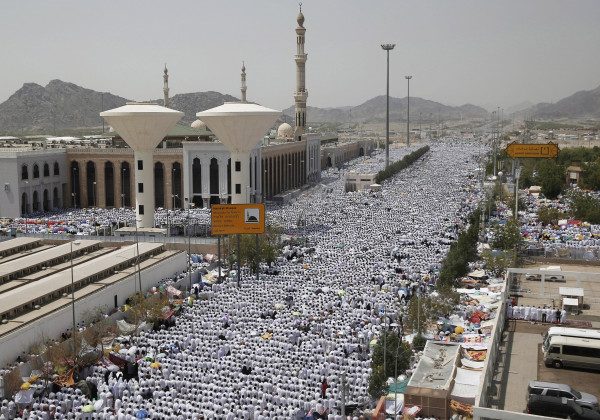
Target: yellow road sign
column 231, row 219
column 520, row 150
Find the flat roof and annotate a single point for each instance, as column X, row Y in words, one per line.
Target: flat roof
column 32, row 291
column 436, row 366
column 24, row 263
column 12, row 244
column 570, row 291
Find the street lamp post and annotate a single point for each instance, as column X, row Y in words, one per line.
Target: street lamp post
column 137, row 246
column 387, row 48
column 408, row 111
column 190, row 205
column 73, row 299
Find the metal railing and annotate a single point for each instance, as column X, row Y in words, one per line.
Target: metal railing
column 154, row 239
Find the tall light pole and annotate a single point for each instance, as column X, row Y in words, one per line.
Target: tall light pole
column 137, row 247
column 408, row 111
column 387, row 48
column 73, row 298
column 190, row 205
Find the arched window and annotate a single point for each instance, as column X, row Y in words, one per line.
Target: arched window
column 56, row 168
column 24, row 172
column 46, row 169
column 36, row 171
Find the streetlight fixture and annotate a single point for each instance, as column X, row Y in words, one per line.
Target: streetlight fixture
column 387, row 48
column 408, row 111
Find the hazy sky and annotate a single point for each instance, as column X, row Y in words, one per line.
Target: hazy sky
column 481, row 51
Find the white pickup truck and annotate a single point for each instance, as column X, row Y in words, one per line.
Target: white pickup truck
column 549, row 277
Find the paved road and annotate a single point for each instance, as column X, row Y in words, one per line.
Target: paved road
column 522, row 367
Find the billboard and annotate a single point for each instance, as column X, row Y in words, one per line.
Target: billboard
column 231, row 219
column 520, row 150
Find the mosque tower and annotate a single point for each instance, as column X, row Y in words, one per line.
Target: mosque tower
column 166, row 87
column 243, row 82
column 301, row 94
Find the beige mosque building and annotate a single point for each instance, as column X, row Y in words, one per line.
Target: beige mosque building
column 190, row 164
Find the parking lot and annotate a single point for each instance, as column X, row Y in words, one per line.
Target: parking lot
column 533, row 294
column 519, row 364
column 580, row 379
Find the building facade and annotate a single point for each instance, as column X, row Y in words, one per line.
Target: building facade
column 33, row 181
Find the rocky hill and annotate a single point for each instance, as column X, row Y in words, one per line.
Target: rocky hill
column 582, row 104
column 191, row 103
column 374, row 110
column 58, row 105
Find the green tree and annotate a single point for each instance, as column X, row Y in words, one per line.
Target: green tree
column 591, row 176
column 550, row 215
column 497, row 262
column 507, row 237
column 551, row 178
column 398, row 354
column 423, row 310
column 251, row 254
column 585, row 207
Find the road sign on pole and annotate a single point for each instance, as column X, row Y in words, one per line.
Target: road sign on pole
column 232, row 219
column 520, row 150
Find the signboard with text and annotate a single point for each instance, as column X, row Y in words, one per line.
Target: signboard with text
column 520, row 150
column 232, row 219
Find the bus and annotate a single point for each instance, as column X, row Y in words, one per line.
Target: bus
column 572, row 352
column 569, row 332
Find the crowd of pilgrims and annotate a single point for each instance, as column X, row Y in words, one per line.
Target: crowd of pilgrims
column 579, row 237
column 536, row 314
column 98, row 221
column 276, row 348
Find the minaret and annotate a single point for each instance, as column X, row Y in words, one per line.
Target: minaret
column 301, row 93
column 243, row 82
column 166, row 87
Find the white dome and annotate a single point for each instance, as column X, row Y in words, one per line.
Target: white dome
column 285, row 131
column 198, row 124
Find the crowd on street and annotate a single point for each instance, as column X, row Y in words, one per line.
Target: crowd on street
column 277, row 348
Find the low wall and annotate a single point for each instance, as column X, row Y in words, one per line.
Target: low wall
column 487, row 374
column 54, row 324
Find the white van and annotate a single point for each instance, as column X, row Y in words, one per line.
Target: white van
column 572, row 352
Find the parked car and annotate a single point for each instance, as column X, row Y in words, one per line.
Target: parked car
column 559, row 407
column 549, row 389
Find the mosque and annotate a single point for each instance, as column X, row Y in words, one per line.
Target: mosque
column 189, row 165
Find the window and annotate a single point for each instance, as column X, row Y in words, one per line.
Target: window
column 24, row 172
column 140, row 165
column 56, row 169
column 553, row 393
column 555, row 350
column 46, row 170
column 141, row 209
column 238, row 188
column 238, row 166
column 140, row 187
column 36, row 171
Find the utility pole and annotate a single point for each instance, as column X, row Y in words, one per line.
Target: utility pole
column 408, row 111
column 387, row 48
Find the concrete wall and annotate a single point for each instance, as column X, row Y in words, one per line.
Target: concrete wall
column 54, row 324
